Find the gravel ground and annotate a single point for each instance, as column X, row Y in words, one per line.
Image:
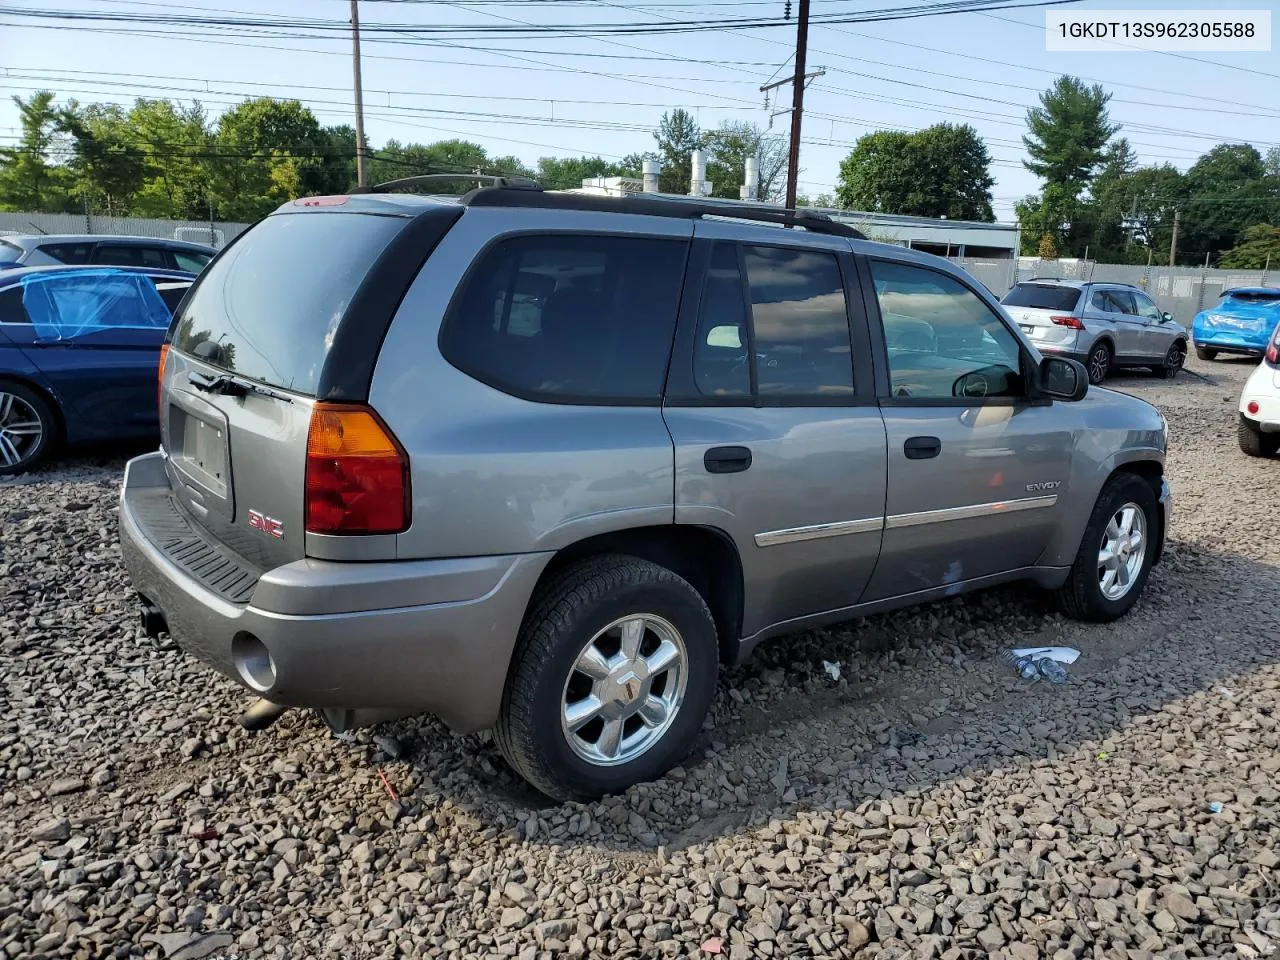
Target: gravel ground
column 930, row 803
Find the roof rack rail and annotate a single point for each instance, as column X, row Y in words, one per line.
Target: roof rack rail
column 659, row 205
column 497, row 180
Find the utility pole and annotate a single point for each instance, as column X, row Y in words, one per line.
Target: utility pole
column 797, row 102
column 1173, row 242
column 355, row 69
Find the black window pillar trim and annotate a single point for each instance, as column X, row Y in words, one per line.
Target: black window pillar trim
column 347, row 375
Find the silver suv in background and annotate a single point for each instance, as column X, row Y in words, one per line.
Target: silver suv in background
column 1106, row 326
column 542, row 462
column 47, row 250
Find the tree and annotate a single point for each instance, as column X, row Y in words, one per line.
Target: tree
column 509, row 166
column 1259, row 250
column 1103, row 223
column 269, row 151
column 1067, row 134
column 1046, row 249
column 29, row 181
column 729, row 146
column 1273, row 162
column 339, row 169
column 1228, row 190
column 678, row 136
column 107, row 165
column 176, row 147
column 941, row 171
column 564, row 173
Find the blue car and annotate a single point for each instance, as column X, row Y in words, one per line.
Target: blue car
column 1241, row 323
column 79, row 355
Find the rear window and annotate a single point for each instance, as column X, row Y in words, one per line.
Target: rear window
column 564, row 318
column 9, row 252
column 1253, row 296
column 1042, row 296
column 269, row 307
column 128, row 255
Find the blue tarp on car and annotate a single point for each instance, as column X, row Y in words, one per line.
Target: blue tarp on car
column 71, row 304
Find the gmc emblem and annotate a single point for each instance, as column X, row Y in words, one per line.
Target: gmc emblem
column 266, row 524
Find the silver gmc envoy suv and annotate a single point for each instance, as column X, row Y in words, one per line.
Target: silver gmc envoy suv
column 541, row 462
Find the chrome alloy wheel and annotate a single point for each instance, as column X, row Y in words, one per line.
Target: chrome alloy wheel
column 20, row 429
column 624, row 690
column 1124, row 547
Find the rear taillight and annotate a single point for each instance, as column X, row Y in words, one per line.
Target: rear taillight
column 357, row 474
column 1075, row 323
column 1252, row 407
column 164, row 356
column 1273, row 352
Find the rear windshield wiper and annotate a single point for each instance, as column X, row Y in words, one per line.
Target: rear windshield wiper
column 227, row 385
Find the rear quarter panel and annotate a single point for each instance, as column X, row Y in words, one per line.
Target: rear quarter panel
column 496, row 474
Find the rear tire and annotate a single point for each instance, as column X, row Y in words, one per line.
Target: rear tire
column 1088, row 594
column 1254, row 442
column 28, row 428
column 644, row 717
column 1099, row 362
column 1206, row 353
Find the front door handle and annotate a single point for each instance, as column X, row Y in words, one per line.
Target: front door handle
column 922, row 448
column 727, row 459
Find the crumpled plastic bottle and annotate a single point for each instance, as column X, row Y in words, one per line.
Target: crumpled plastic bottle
column 1051, row 670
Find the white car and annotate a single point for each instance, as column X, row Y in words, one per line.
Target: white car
column 1259, row 428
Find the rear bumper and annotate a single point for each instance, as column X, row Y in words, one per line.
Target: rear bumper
column 1227, row 342
column 1067, row 351
column 395, row 637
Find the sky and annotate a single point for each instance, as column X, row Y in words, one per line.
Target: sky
column 563, row 96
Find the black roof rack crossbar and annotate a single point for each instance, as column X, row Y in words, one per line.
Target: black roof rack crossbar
column 512, row 183
column 659, row 205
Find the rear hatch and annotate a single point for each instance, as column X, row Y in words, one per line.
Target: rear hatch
column 293, row 311
column 1033, row 307
column 1250, row 315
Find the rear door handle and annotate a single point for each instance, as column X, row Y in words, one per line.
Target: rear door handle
column 922, row 448
column 727, row 459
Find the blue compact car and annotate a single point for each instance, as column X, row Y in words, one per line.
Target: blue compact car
column 1241, row 323
column 79, row 356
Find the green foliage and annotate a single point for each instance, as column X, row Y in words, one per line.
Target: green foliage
column 1258, row 250
column 729, row 146
column 29, row 180
column 678, row 136
column 567, row 173
column 941, row 171
column 1067, row 134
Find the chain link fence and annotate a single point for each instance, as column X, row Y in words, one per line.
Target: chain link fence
column 1181, row 291
column 213, row 233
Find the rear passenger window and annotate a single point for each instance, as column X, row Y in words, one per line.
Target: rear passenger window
column 132, row 256
column 563, row 318
column 73, row 253
column 797, row 326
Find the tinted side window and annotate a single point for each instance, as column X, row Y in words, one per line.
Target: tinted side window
column 721, row 350
column 941, row 339
column 1102, row 301
column 565, row 317
column 74, row 253
column 11, row 308
column 800, row 321
column 131, row 256
column 1146, row 307
column 1123, row 300
column 190, row 262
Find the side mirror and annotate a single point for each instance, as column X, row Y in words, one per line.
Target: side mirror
column 1166, row 317
column 1062, row 379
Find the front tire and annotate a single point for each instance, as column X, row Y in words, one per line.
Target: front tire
column 1099, row 363
column 613, row 673
column 1173, row 361
column 1206, row 353
column 1116, row 553
column 1254, row 442
column 28, row 428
